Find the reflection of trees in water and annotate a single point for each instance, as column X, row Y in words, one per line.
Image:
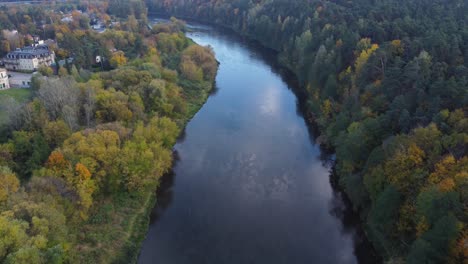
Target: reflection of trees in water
column 165, row 195
column 248, row 172
column 182, row 136
column 340, row 205
column 215, row 89
column 342, row 209
column 270, row 58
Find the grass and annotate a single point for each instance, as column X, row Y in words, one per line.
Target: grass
column 196, row 95
column 20, row 95
column 116, row 229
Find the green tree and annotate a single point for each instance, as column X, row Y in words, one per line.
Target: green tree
column 381, row 218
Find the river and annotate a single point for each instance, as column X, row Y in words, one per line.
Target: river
column 250, row 185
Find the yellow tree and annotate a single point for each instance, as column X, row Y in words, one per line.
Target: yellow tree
column 99, row 151
column 12, row 235
column 364, row 57
column 55, row 132
column 118, row 59
column 85, row 187
column 404, row 167
column 397, row 47
column 9, row 183
column 202, row 57
column 191, row 71
column 57, row 163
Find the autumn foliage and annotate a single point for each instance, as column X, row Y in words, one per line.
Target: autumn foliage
column 80, row 162
column 386, row 84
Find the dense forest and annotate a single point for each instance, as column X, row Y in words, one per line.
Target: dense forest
column 387, row 85
column 81, row 160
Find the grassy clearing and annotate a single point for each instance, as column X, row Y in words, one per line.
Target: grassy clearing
column 116, row 230
column 20, row 95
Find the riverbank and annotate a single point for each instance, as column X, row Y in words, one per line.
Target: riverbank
column 87, row 169
column 117, row 227
column 137, row 228
column 139, row 223
column 281, row 65
column 249, row 164
column 376, row 100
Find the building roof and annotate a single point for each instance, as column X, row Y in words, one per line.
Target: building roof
column 39, row 50
column 62, row 63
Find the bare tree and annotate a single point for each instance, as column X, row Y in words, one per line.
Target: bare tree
column 69, row 115
column 27, row 115
column 89, row 105
column 60, row 98
column 13, row 112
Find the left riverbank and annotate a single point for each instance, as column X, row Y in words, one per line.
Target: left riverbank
column 139, row 223
column 133, row 211
column 82, row 166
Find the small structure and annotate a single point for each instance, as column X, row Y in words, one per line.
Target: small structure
column 63, row 63
column 50, row 43
column 29, row 58
column 67, row 19
column 4, row 81
column 20, row 80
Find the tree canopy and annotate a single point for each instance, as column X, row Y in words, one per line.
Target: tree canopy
column 86, row 153
column 387, row 85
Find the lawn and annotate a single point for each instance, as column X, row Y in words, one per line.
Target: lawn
column 20, row 95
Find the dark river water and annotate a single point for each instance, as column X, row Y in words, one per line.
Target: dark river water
column 250, row 185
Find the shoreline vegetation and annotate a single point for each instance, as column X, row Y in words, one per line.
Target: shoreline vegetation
column 80, row 162
column 386, row 86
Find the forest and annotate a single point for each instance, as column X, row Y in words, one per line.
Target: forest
column 387, row 86
column 82, row 154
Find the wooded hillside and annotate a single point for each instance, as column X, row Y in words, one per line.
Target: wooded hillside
column 80, row 161
column 387, row 84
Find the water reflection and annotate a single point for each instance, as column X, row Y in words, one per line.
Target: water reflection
column 250, row 184
column 165, row 192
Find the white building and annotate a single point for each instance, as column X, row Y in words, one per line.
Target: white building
column 20, row 80
column 29, row 59
column 4, row 82
column 67, row 19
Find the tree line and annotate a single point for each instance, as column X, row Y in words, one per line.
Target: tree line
column 387, row 85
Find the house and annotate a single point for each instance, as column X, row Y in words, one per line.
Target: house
column 20, row 80
column 14, row 79
column 99, row 27
column 29, row 58
column 4, row 81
